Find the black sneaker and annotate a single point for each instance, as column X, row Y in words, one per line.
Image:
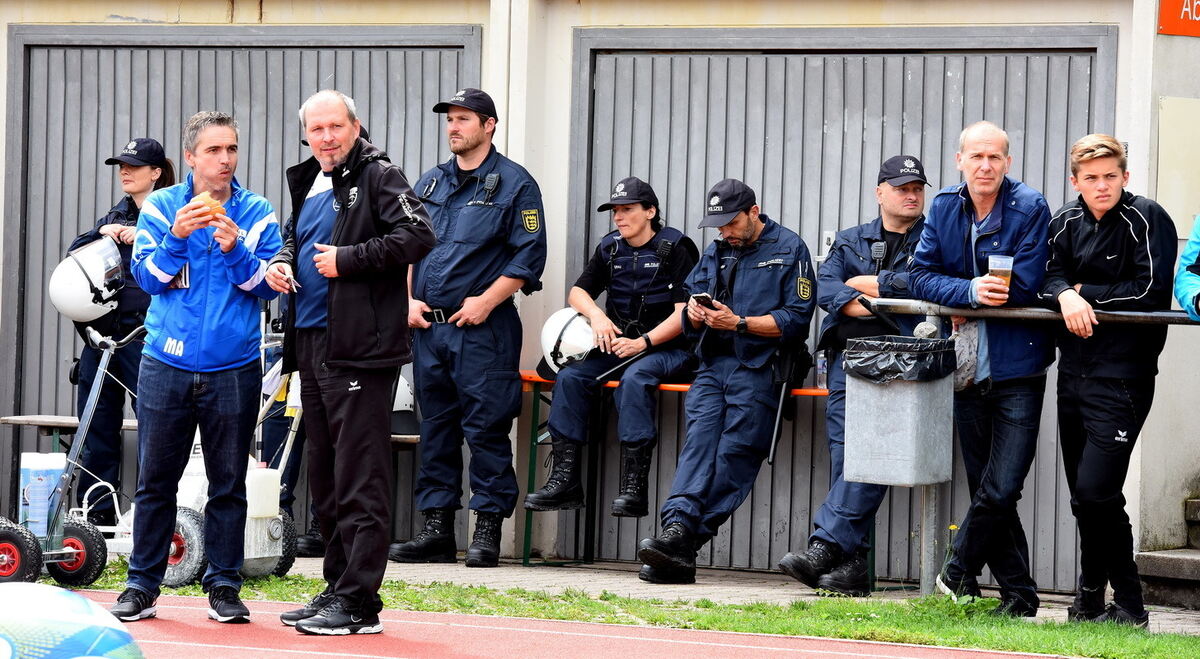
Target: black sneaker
column 808, row 566
column 670, row 575
column 338, row 619
column 1088, row 605
column 1015, row 606
column 290, row 618
column 224, row 605
column 134, row 604
column 956, row 588
column 1115, row 613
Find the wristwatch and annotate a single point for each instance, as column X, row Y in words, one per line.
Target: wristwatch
column 742, row 326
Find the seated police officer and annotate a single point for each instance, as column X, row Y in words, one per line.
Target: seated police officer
column 642, row 266
column 867, row 260
column 752, row 302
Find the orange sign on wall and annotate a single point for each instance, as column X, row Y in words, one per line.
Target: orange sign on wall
column 1179, row 17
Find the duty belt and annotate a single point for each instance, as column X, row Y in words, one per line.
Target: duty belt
column 440, row 315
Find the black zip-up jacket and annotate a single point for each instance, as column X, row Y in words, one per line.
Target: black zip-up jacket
column 1125, row 262
column 381, row 227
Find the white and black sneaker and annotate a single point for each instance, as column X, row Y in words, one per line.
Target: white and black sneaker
column 224, row 605
column 134, row 604
column 290, row 618
column 339, row 619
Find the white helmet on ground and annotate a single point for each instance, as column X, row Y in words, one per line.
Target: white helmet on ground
column 84, row 286
column 566, row 338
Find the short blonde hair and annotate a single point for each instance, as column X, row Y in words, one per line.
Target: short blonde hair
column 1096, row 145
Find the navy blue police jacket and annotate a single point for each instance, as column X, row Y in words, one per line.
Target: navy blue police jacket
column 488, row 224
column 945, row 263
column 774, row 275
column 850, row 256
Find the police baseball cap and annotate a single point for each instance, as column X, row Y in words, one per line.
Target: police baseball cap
column 471, row 99
column 725, row 200
column 899, row 170
column 141, row 151
column 632, row 190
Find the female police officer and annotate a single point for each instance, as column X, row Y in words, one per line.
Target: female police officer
column 642, row 266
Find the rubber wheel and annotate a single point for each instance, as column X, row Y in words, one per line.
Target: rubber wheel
column 288, row 546
column 186, row 560
column 92, row 554
column 20, row 553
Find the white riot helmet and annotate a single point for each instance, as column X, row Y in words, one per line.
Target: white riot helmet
column 84, row 286
column 566, row 338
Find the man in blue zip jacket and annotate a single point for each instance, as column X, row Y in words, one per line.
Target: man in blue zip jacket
column 757, row 301
column 998, row 413
column 491, row 243
column 869, row 260
column 204, row 269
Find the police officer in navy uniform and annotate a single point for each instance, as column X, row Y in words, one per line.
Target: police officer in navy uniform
column 487, row 213
column 867, row 260
column 642, row 266
column 757, row 283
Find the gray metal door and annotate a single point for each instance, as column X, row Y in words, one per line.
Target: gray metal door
column 82, row 102
column 807, row 130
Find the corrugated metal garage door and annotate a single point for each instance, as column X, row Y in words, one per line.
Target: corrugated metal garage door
column 84, row 102
column 807, row 130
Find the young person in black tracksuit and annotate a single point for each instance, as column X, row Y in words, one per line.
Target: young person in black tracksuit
column 1115, row 251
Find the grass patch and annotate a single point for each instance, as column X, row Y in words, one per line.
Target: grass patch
column 933, row 620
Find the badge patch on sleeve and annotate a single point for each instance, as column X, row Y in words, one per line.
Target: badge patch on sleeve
column 530, row 219
column 804, row 288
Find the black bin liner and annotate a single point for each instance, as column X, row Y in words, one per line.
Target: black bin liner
column 882, row 359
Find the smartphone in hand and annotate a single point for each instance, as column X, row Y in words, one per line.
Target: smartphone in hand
column 704, row 299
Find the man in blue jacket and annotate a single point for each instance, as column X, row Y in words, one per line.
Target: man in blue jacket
column 869, row 260
column 204, row 269
column 756, row 298
column 491, row 244
column 998, row 412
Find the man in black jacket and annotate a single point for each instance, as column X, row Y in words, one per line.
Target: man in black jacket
column 1110, row 250
column 355, row 227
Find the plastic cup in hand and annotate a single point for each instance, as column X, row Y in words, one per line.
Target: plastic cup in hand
column 1001, row 266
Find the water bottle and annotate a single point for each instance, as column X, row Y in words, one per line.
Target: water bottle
column 39, row 476
column 822, row 370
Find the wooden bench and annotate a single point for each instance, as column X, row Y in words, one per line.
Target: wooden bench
column 534, row 383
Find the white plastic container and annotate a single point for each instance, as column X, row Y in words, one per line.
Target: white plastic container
column 262, row 491
column 39, row 476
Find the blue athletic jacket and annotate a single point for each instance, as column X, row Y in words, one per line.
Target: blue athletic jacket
column 1187, row 277
column 944, row 266
column 204, row 309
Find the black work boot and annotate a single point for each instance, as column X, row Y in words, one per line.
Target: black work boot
column 848, row 578
column 562, row 490
column 311, row 544
column 1088, row 604
column 667, row 575
column 434, row 544
column 673, row 548
column 485, row 544
column 635, row 480
column 808, row 566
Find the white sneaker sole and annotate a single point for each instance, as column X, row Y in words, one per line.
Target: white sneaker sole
column 212, row 613
column 148, row 612
column 340, row 631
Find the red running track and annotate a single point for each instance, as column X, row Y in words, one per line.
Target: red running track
column 183, row 629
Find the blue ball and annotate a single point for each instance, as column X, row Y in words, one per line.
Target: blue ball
column 47, row 622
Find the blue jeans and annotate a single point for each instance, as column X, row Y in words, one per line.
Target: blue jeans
column 172, row 403
column 997, row 425
column 848, row 513
column 637, row 425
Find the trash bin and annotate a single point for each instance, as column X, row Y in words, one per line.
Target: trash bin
column 899, row 410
